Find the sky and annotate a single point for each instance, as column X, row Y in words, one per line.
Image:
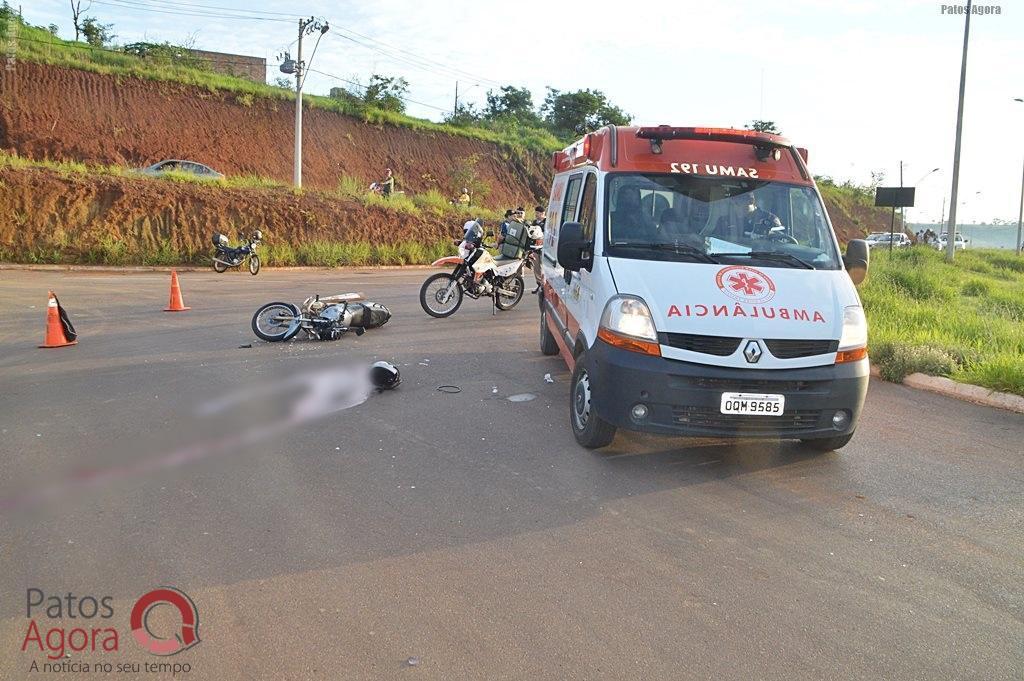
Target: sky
column 862, row 84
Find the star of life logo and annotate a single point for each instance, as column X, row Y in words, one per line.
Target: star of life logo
column 745, row 284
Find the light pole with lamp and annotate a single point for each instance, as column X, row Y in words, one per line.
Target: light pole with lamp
column 455, row 111
column 1020, row 213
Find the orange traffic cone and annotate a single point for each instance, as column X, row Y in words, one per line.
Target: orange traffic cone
column 59, row 331
column 176, row 304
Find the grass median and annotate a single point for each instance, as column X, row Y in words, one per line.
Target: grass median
column 963, row 320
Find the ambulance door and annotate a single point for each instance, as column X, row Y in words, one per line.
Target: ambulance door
column 561, row 307
column 583, row 284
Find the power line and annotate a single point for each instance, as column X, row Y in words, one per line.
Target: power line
column 417, row 57
column 128, row 4
column 404, row 99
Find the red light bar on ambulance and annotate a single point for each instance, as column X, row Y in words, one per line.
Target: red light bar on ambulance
column 667, row 132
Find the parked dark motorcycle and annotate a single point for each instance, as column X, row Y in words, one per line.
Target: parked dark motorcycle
column 327, row 318
column 226, row 256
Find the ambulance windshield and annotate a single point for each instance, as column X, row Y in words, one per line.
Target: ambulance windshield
column 717, row 219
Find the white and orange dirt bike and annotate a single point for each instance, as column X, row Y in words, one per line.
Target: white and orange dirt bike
column 476, row 274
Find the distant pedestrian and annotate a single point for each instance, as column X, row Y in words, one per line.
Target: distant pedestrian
column 387, row 185
column 464, row 198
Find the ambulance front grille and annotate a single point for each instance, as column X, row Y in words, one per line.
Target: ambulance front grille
column 724, row 346
column 709, row 417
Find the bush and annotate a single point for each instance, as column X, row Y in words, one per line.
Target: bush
column 896, row 361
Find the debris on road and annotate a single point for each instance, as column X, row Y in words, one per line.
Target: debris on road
column 449, row 389
column 522, row 397
column 548, row 379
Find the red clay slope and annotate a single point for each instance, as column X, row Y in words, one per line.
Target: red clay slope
column 58, row 113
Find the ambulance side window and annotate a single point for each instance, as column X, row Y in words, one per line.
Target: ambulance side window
column 588, row 207
column 572, row 196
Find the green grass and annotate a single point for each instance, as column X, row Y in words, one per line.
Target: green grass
column 35, row 44
column 964, row 320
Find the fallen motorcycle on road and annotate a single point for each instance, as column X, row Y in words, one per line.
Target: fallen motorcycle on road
column 322, row 318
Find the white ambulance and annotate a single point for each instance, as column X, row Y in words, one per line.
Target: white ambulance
column 694, row 285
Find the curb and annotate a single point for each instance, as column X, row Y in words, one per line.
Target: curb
column 964, row 392
column 134, row 269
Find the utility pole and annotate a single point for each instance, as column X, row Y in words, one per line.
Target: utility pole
column 297, row 173
column 455, row 111
column 951, row 230
column 298, row 67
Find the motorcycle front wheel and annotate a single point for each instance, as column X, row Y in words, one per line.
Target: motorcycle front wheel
column 515, row 286
column 272, row 321
column 254, row 264
column 440, row 295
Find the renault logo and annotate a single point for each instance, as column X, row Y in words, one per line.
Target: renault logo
column 752, row 352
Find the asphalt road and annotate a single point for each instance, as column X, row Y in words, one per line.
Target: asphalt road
column 465, row 536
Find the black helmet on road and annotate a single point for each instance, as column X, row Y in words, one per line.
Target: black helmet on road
column 384, row 375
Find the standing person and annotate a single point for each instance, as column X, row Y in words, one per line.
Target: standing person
column 463, row 199
column 504, row 225
column 387, row 185
column 539, row 219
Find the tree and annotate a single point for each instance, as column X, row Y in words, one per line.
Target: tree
column 288, row 84
column 385, row 92
column 571, row 114
column 763, row 126
column 513, row 103
column 52, row 29
column 97, row 34
column 77, row 18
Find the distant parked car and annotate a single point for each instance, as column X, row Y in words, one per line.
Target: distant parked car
column 959, row 242
column 899, row 240
column 174, row 164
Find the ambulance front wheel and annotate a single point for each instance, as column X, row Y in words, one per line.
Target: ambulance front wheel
column 589, row 429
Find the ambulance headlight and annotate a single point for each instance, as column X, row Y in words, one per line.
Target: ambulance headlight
column 855, row 328
column 629, row 316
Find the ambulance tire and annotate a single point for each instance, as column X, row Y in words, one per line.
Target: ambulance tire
column 548, row 345
column 828, row 444
column 589, row 429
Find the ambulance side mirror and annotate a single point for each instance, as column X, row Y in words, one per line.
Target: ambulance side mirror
column 856, row 260
column 573, row 250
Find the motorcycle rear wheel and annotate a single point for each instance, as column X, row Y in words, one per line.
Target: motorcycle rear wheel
column 273, row 321
column 433, row 290
column 219, row 267
column 516, row 285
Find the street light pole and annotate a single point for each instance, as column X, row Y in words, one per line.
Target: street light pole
column 951, row 230
column 1020, row 214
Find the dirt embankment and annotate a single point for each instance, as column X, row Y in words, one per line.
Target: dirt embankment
column 49, row 112
column 70, row 217
column 53, row 217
